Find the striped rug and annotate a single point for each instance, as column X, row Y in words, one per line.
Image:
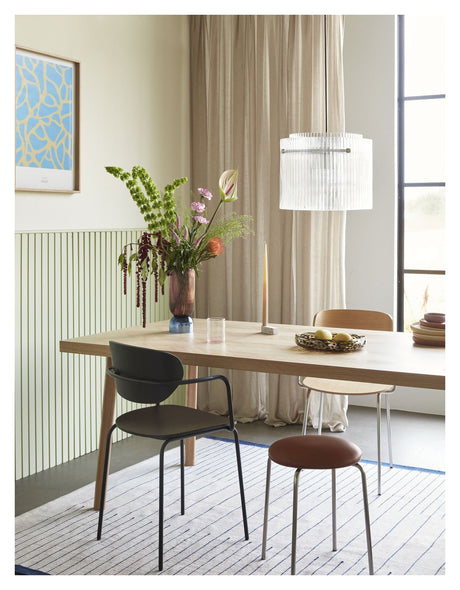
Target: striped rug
column 407, row 522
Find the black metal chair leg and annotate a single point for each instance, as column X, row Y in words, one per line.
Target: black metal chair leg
column 104, row 481
column 240, row 477
column 161, row 506
column 182, row 478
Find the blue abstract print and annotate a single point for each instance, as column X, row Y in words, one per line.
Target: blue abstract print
column 44, row 110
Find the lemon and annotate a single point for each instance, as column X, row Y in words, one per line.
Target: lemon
column 341, row 336
column 322, row 334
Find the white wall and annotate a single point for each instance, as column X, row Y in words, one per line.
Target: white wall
column 134, row 110
column 370, row 91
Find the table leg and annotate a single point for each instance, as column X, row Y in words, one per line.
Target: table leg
column 190, row 401
column 108, row 415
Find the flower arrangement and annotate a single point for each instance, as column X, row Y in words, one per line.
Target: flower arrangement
column 176, row 242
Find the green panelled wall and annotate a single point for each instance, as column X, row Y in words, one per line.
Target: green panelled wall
column 67, row 284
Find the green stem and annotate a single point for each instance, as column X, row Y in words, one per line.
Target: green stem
column 212, row 218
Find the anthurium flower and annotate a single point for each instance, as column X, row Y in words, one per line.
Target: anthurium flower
column 198, row 207
column 215, row 246
column 227, row 185
column 204, row 192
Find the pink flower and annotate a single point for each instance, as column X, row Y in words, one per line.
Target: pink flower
column 204, row 192
column 201, row 219
column 198, row 207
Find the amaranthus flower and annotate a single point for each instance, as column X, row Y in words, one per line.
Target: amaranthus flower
column 201, row 219
column 227, row 185
column 215, row 246
column 204, row 192
column 198, row 207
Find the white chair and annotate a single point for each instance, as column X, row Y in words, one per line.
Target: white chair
column 359, row 320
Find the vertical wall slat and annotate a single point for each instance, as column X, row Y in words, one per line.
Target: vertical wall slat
column 38, row 435
column 48, row 345
column 44, row 333
column 67, row 284
column 19, row 360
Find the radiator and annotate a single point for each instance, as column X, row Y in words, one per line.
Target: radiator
column 67, row 284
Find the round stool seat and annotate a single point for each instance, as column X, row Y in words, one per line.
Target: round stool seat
column 314, row 452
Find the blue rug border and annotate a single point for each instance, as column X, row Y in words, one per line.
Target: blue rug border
column 368, row 461
column 20, row 570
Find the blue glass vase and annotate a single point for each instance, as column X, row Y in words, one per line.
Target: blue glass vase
column 182, row 301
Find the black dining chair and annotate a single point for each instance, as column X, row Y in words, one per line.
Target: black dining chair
column 150, row 377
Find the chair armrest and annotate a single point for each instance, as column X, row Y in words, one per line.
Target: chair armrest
column 112, row 372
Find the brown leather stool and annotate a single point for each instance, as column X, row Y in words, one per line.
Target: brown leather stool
column 316, row 452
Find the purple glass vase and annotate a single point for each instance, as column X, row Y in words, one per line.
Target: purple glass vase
column 182, row 301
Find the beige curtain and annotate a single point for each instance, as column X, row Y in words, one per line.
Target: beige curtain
column 255, row 79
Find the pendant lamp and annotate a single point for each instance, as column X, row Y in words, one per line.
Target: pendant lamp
column 325, row 171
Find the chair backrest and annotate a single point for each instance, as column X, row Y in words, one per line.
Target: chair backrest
column 134, row 364
column 362, row 319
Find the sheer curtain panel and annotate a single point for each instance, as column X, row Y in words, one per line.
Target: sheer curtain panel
column 254, row 80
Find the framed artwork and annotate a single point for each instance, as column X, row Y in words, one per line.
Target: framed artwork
column 47, row 122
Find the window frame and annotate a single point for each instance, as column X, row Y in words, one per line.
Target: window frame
column 402, row 185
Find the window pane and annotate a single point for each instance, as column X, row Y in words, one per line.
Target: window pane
column 424, row 228
column 424, row 141
column 422, row 294
column 424, row 49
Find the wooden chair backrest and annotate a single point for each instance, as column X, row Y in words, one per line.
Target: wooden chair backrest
column 362, row 319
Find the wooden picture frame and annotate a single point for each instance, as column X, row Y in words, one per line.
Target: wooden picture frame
column 47, row 131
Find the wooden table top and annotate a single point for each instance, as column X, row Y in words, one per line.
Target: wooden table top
column 387, row 357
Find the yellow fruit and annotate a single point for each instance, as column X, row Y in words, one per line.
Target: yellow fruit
column 342, row 336
column 322, row 334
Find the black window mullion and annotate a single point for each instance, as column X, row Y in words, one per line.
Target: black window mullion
column 400, row 220
column 422, row 184
column 422, row 271
column 424, row 97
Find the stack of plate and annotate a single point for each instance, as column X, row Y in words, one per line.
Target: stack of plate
column 430, row 330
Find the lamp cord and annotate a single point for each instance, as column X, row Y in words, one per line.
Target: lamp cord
column 325, row 68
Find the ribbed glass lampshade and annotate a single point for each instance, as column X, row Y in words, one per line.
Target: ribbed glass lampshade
column 325, row 172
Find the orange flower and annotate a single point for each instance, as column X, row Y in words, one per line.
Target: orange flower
column 216, row 246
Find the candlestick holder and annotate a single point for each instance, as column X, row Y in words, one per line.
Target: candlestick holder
column 269, row 329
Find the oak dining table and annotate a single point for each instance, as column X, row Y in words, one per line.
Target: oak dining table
column 387, row 357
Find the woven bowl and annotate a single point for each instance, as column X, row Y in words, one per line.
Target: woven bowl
column 308, row 341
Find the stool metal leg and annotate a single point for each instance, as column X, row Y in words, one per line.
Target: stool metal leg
column 294, row 520
column 267, row 499
column 379, row 456
column 334, row 510
column 367, row 520
column 390, row 451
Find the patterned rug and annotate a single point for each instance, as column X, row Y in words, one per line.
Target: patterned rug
column 407, row 521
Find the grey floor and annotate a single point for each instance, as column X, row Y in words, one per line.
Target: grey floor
column 418, row 441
